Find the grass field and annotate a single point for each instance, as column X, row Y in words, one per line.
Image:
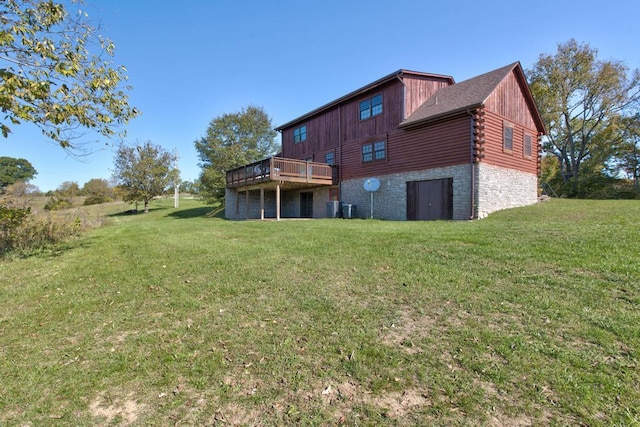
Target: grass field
column 528, row 317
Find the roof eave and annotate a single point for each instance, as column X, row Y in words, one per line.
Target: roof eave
column 439, row 117
column 537, row 117
column 386, row 79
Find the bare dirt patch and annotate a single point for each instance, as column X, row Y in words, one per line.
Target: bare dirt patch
column 407, row 329
column 398, row 404
column 126, row 411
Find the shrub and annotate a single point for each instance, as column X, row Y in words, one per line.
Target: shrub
column 56, row 204
column 10, row 220
column 23, row 231
column 96, row 200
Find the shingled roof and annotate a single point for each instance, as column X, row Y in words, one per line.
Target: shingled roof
column 459, row 97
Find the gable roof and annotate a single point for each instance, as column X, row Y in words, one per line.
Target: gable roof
column 471, row 93
column 395, row 75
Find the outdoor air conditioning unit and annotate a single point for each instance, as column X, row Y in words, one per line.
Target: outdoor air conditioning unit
column 334, row 209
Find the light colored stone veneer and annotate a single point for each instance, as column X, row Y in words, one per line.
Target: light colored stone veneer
column 500, row 188
column 235, row 204
column 230, row 197
column 495, row 188
column 390, row 201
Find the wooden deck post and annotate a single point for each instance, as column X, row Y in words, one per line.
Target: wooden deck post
column 278, row 202
column 262, row 203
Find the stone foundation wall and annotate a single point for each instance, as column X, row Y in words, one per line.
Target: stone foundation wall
column 235, row 204
column 500, row 188
column 390, row 201
column 495, row 189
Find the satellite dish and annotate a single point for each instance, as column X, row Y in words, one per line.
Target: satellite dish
column 371, row 184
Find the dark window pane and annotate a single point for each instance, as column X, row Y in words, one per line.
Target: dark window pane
column 300, row 134
column 328, row 158
column 527, row 145
column 365, row 109
column 367, row 153
column 379, row 149
column 376, row 105
column 508, row 138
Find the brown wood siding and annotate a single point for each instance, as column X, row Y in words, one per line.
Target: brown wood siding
column 339, row 129
column 508, row 100
column 437, row 145
column 493, row 145
column 323, row 130
column 322, row 135
column 420, row 88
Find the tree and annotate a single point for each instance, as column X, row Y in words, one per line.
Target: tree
column 53, row 73
column 630, row 159
column 192, row 187
column 233, row 140
column 97, row 191
column 13, row 170
column 21, row 190
column 144, row 171
column 581, row 100
column 68, row 190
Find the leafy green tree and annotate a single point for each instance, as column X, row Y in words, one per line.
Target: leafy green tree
column 233, row 140
column 53, row 72
column 191, row 187
column 144, row 171
column 10, row 219
column 13, row 170
column 630, row 158
column 581, row 100
column 97, row 191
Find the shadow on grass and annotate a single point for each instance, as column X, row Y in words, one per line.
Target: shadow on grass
column 131, row 212
column 199, row 212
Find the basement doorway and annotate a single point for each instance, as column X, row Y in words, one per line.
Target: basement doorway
column 430, row 200
column 306, row 205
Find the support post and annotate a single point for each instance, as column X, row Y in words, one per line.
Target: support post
column 262, row 204
column 246, row 204
column 278, row 202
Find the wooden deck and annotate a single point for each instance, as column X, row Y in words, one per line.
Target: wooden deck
column 280, row 171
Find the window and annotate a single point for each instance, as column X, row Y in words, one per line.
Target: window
column 367, row 153
column 374, row 151
column 328, row 158
column 371, row 107
column 379, row 150
column 507, row 142
column 526, row 147
column 300, row 134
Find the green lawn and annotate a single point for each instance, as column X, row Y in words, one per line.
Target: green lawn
column 528, row 317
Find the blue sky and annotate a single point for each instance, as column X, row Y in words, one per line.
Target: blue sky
column 194, row 60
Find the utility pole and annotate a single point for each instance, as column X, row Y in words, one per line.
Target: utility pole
column 176, row 182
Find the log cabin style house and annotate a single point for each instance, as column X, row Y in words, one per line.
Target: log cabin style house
column 437, row 150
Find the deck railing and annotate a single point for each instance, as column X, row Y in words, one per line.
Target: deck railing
column 281, row 169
